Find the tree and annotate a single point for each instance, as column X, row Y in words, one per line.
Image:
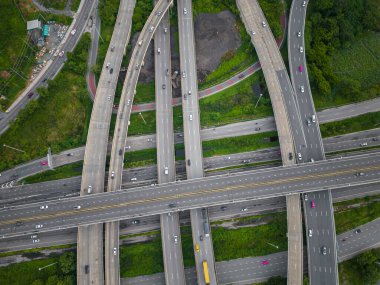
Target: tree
column 67, row 262
column 366, row 264
column 52, row 280
column 277, row 280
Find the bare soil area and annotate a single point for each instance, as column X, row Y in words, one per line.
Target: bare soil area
column 215, row 36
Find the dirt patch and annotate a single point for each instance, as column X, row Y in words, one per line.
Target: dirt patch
column 216, row 36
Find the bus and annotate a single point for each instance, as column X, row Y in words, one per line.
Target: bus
column 205, row 271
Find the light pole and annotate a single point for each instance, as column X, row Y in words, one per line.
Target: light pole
column 51, row 264
column 142, row 118
column 11, row 147
column 261, row 95
column 276, row 246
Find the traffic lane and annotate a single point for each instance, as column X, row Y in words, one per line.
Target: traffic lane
column 185, row 199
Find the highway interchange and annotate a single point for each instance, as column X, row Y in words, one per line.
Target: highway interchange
column 91, row 210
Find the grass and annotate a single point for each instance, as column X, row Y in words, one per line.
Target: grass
column 251, row 241
column 141, row 258
column 70, row 170
column 145, row 92
column 58, row 119
column 75, row 5
column 351, row 125
column 140, row 158
column 359, row 62
column 140, row 126
column 366, row 209
column 58, row 269
column 10, row 253
column 55, row 4
column 350, row 273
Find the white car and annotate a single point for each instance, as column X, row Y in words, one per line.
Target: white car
column 364, row 144
column 89, row 189
column 61, row 53
column 183, row 74
column 299, row 34
column 77, row 207
column 313, row 118
column 190, row 117
column 303, row 3
column 34, row 236
column 310, row 232
column 44, row 207
column 35, row 240
column 151, row 29
column 264, row 24
column 299, row 156
column 305, row 197
column 166, row 170
column 253, row 33
column 301, row 49
column 39, row 226
column 184, row 11
column 114, row 251
column 134, row 179
column 113, row 174
column 175, row 239
column 108, row 65
column 244, row 209
column 302, row 88
column 73, row 31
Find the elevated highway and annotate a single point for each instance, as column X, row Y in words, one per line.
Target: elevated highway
column 90, row 238
column 190, row 194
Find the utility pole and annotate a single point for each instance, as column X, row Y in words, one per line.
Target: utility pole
column 142, row 118
column 261, row 95
column 11, row 147
column 51, row 264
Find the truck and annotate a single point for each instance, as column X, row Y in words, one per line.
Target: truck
column 205, row 272
column 206, row 228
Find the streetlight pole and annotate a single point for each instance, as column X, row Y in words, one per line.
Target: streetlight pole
column 51, row 264
column 142, row 118
column 11, row 147
column 261, row 95
column 276, row 246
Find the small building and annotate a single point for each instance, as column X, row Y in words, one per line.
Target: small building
column 34, row 29
column 46, row 30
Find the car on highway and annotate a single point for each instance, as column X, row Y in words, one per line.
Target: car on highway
column 188, row 162
column 172, row 205
column 301, row 49
column 312, row 204
column 35, row 240
column 263, row 24
column 108, row 65
column 308, row 121
column 44, row 163
column 113, row 174
column 183, row 74
column 39, row 226
column 175, row 239
column 135, row 222
column 128, row 147
column 73, row 32
column 201, row 237
column 137, row 66
column 196, row 247
column 86, row 269
column 158, row 13
column 302, row 88
column 114, row 251
column 299, row 156
column 34, row 236
column 244, row 209
column 140, row 43
column 184, row 11
column 359, row 174
column 324, row 250
column 164, row 86
column 223, row 208
column 310, row 232
column 303, row 3
column 134, row 179
column 111, row 70
column 300, row 68
column 190, row 117
column 166, row 169
column 257, row 129
column 313, row 118
column 165, row 30
column 357, row 231
column 44, row 207
column 265, row 262
column 112, row 48
column 158, row 51
column 77, row 207
column 364, row 144
column 30, row 95
column 120, row 152
column 305, row 197
column 89, row 189
column 61, row 53
column 151, row 29
column 290, row 156
column 299, row 34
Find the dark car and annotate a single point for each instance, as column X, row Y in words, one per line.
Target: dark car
column 120, row 151
column 290, row 156
column 188, row 162
column 172, row 205
column 30, row 95
column 111, row 70
column 223, row 208
column 357, row 231
column 201, row 238
column 86, row 269
column 241, row 75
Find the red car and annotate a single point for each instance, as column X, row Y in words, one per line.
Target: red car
column 43, row 163
column 265, row 262
column 300, row 68
column 312, row 204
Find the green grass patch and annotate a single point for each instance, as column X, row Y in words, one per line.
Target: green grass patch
column 60, row 269
column 141, row 13
column 351, row 214
column 362, row 269
column 10, row 253
column 55, row 4
column 75, row 5
column 141, row 258
column 142, row 124
column 66, row 171
column 239, row 144
column 58, row 119
column 251, row 241
column 187, row 247
column 140, row 158
column 351, row 125
column 145, row 92
column 248, row 165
